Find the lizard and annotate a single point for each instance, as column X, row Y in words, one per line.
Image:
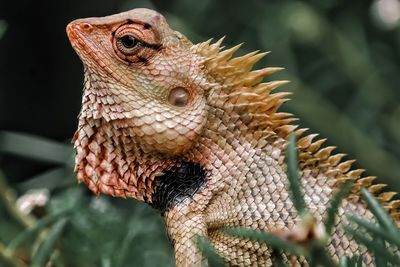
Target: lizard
column 194, row 131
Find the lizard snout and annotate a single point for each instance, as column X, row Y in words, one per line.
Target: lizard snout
column 77, row 26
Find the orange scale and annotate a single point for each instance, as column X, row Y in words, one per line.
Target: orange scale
column 92, row 186
column 106, row 189
column 120, row 193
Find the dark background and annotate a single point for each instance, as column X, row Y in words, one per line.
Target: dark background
column 341, row 56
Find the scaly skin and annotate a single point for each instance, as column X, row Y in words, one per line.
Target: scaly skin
column 193, row 132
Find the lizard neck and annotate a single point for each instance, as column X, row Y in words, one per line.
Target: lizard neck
column 109, row 161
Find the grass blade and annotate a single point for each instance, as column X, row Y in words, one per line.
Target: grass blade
column 379, row 260
column 214, row 260
column 293, row 176
column 126, row 242
column 371, row 245
column 344, row 262
column 334, row 206
column 269, row 239
column 33, row 230
column 46, row 248
column 376, row 230
column 277, row 259
column 319, row 255
column 381, row 215
column 359, row 261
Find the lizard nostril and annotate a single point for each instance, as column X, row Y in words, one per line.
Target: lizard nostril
column 85, row 26
column 77, row 26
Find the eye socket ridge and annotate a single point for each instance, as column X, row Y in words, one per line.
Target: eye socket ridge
column 128, row 44
column 133, row 44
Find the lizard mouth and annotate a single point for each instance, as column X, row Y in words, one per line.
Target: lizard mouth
column 78, row 41
column 78, row 32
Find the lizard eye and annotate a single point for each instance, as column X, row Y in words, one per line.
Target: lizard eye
column 133, row 42
column 127, row 44
column 178, row 96
column 128, row 41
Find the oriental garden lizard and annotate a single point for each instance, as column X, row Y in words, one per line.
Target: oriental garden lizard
column 194, row 132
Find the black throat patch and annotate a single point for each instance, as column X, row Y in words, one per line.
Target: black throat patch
column 176, row 185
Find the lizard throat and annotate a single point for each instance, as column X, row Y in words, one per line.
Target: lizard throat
column 178, row 184
column 109, row 161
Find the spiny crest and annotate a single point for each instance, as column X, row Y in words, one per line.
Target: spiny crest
column 243, row 93
column 241, row 90
column 313, row 157
column 232, row 72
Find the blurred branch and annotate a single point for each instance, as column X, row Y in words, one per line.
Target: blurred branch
column 7, row 196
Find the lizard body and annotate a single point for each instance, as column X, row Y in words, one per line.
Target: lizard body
column 194, row 132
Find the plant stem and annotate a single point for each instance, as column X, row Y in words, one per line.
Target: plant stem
column 7, row 196
column 8, row 259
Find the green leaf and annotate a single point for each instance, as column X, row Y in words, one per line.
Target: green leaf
column 351, row 262
column 214, row 260
column 106, row 261
column 293, row 176
column 360, row 261
column 277, row 259
column 371, row 245
column 269, row 239
column 124, row 248
column 55, row 259
column 381, row 215
column 319, row 256
column 334, row 206
column 53, row 178
column 47, row 246
column 379, row 260
column 393, row 237
column 37, row 227
column 344, row 262
column 36, row 148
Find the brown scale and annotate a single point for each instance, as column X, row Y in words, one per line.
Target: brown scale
column 153, row 102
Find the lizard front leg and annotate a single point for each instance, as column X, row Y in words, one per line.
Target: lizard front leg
column 183, row 226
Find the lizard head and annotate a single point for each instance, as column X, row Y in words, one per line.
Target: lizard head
column 143, row 103
column 140, row 72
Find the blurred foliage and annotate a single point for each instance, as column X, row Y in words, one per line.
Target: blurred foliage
column 341, row 56
column 97, row 231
